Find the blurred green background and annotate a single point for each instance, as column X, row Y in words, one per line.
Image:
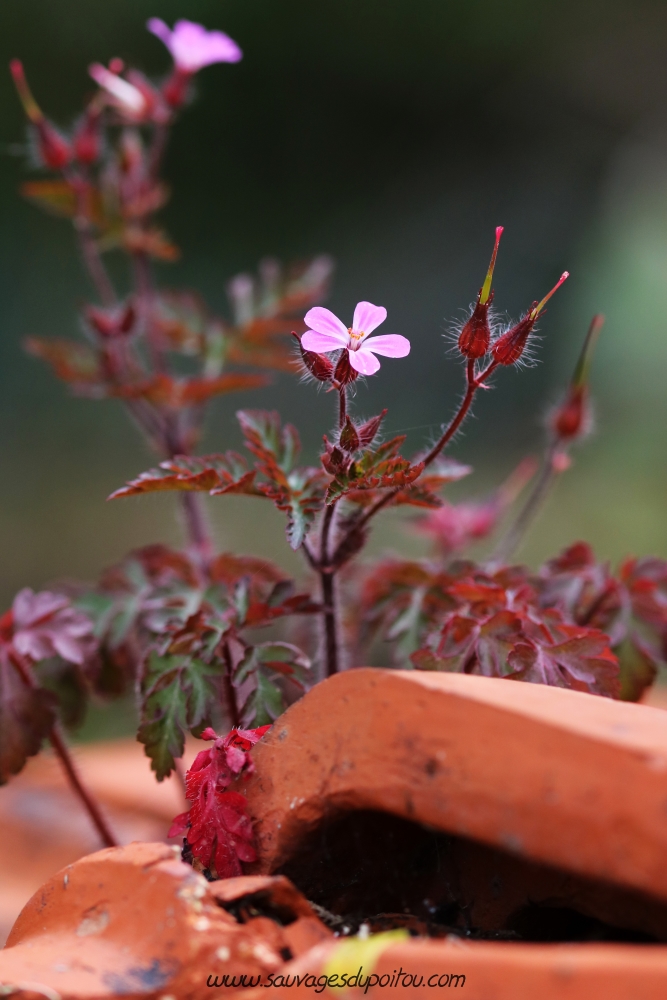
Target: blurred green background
column 394, row 135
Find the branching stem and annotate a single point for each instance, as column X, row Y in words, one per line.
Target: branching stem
column 473, row 383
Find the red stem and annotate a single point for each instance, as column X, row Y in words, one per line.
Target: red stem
column 62, row 751
column 473, row 383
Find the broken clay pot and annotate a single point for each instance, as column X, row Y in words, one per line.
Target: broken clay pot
column 137, row 922
column 523, row 828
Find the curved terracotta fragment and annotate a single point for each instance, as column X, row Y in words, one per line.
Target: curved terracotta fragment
column 137, row 922
column 492, row 972
column 568, row 779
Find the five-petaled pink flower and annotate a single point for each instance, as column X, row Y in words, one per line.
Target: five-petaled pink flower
column 328, row 333
column 192, row 46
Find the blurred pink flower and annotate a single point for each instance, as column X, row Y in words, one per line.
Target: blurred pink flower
column 327, row 333
column 454, row 527
column 192, row 46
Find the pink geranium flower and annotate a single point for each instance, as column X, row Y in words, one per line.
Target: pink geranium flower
column 192, row 46
column 328, row 333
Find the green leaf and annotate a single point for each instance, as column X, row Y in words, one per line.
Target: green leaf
column 297, row 492
column 178, row 694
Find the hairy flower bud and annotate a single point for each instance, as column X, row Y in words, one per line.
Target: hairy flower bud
column 53, row 149
column 509, row 347
column 475, row 336
column 319, row 365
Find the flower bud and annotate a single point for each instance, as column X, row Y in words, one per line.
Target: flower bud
column 319, row 365
column 53, row 149
column 475, row 336
column 509, row 347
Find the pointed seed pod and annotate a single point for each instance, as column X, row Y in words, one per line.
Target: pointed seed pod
column 475, row 336
column 53, row 149
column 571, row 419
column 509, row 347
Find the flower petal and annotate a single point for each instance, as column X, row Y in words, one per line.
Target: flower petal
column 393, row 345
column 193, row 47
column 320, row 342
column 368, row 317
column 158, row 28
column 324, row 321
column 364, row 362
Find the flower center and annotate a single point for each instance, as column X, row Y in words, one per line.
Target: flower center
column 355, row 338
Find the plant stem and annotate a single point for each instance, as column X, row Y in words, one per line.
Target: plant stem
column 512, row 538
column 328, row 585
column 342, row 409
column 473, row 383
column 62, row 751
column 196, row 525
column 89, row 250
column 230, row 690
column 80, row 790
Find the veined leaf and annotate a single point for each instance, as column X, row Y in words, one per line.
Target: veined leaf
column 178, row 692
column 214, row 474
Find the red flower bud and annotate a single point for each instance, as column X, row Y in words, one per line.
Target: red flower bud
column 54, row 150
column 475, row 336
column 509, row 347
column 319, row 365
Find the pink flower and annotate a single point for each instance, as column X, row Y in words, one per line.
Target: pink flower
column 327, row 333
column 192, row 46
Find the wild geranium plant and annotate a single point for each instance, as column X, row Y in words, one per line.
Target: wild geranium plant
column 183, row 629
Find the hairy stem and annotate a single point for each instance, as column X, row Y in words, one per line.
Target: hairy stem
column 342, row 409
column 473, row 383
column 514, row 535
column 62, row 751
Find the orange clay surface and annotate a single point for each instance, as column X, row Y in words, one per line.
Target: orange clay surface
column 554, row 776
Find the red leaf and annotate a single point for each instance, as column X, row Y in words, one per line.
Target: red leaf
column 213, row 474
column 217, row 825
